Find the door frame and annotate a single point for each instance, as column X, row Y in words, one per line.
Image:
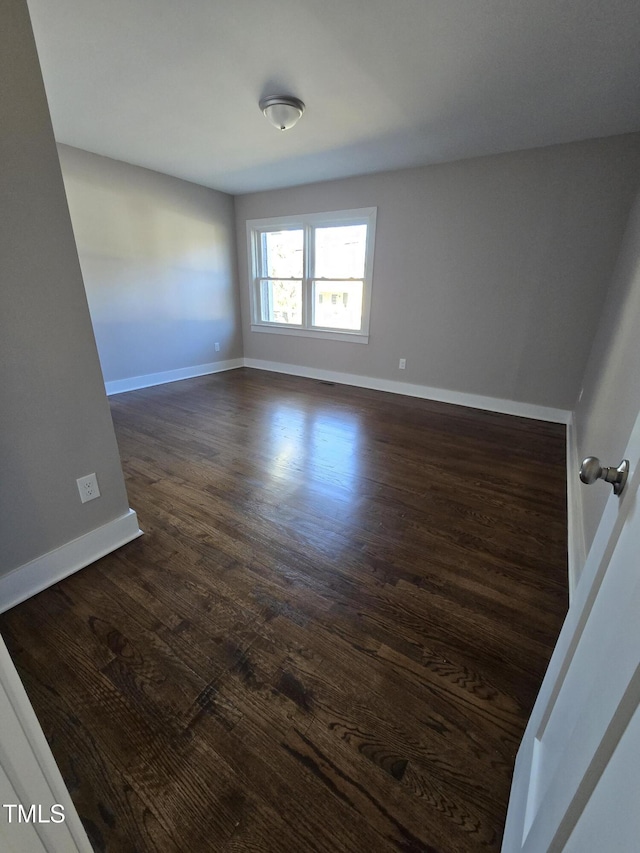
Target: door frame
column 29, row 776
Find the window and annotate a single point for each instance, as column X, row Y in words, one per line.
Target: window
column 311, row 275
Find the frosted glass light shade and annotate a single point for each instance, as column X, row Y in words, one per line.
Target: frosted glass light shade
column 282, row 111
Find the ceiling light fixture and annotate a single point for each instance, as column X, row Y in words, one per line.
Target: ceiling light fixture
column 283, row 111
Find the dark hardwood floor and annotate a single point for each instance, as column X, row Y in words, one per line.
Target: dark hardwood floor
column 330, row 636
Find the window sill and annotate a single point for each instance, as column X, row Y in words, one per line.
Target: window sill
column 351, row 337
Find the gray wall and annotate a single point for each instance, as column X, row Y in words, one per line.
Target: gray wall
column 159, row 265
column 489, row 274
column 610, row 401
column 55, row 424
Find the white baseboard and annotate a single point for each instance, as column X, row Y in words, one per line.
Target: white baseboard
column 132, row 383
column 577, row 552
column 425, row 392
column 52, row 567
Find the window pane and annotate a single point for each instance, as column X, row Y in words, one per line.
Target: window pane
column 337, row 304
column 282, row 254
column 281, row 302
column 340, row 251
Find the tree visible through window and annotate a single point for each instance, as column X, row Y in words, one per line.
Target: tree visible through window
column 282, row 257
column 313, row 274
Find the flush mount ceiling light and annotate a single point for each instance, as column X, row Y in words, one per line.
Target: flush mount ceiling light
column 283, row 111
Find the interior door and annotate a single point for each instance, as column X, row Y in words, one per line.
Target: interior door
column 576, row 785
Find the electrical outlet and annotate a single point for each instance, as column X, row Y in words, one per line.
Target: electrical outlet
column 403, row 364
column 88, row 488
column 216, row 346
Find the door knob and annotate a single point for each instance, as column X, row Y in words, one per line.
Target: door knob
column 591, row 470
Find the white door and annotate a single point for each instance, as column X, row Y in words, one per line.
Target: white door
column 576, row 785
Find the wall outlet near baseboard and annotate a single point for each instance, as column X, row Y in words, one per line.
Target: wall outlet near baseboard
column 88, row 488
column 403, row 364
column 216, row 346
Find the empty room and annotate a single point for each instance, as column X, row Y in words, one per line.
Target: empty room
column 320, row 426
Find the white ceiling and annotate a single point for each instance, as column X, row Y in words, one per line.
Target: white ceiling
column 174, row 85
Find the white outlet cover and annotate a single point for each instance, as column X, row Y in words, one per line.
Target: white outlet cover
column 88, row 488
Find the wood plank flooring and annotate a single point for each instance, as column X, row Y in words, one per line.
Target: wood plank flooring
column 330, row 636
